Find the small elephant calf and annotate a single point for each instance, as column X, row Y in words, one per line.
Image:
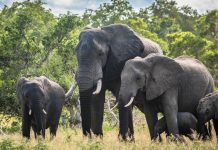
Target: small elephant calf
column 186, row 123
column 41, row 100
column 208, row 109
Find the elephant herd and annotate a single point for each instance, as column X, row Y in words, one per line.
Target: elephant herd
column 135, row 70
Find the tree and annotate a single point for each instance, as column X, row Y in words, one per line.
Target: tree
column 108, row 13
column 207, row 25
column 186, row 43
column 29, row 35
column 166, row 17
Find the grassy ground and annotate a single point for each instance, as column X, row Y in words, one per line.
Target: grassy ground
column 73, row 139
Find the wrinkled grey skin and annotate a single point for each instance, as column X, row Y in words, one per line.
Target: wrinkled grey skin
column 101, row 54
column 38, row 94
column 208, row 109
column 169, row 86
column 187, row 123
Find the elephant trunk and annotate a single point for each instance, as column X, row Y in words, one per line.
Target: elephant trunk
column 39, row 115
column 124, row 121
column 85, row 104
column 89, row 75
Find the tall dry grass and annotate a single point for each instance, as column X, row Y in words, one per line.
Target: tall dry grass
column 69, row 139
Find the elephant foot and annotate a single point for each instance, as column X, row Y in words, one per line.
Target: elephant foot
column 157, row 139
column 204, row 137
column 26, row 137
column 126, row 138
column 176, row 138
column 87, row 135
column 52, row 136
column 100, row 136
column 131, row 138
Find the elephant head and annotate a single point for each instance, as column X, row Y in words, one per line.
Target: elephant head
column 208, row 108
column 32, row 95
column 153, row 74
column 100, row 54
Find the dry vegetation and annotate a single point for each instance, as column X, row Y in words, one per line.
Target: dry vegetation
column 72, row 139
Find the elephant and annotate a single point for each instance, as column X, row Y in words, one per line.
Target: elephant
column 168, row 86
column 208, row 109
column 101, row 54
column 187, row 123
column 41, row 101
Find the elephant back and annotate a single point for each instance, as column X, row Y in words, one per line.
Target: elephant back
column 196, row 83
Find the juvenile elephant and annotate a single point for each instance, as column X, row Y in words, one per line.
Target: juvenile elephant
column 187, row 123
column 41, row 102
column 169, row 86
column 101, row 54
column 208, row 109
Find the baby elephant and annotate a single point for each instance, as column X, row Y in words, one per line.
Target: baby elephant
column 41, row 101
column 187, row 122
column 208, row 109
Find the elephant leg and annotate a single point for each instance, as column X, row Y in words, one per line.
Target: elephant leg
column 34, row 130
column 170, row 109
column 130, row 126
column 124, row 122
column 53, row 130
column 151, row 118
column 26, row 122
column 53, row 124
column 215, row 124
column 204, row 132
column 97, row 112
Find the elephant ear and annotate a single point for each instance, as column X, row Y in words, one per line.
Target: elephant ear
column 164, row 74
column 19, row 86
column 124, row 44
column 45, row 82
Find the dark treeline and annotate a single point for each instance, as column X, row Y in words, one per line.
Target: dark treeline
column 34, row 42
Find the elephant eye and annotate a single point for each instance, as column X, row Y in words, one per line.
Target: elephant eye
column 100, row 54
column 138, row 78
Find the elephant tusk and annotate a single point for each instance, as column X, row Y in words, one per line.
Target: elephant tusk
column 30, row 112
column 98, row 89
column 43, row 110
column 130, row 102
column 73, row 86
column 114, row 106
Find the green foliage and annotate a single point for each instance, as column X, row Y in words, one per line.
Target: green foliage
column 108, row 13
column 187, row 43
column 41, row 145
column 31, row 37
column 9, row 124
column 207, row 25
column 34, row 42
column 8, row 144
column 95, row 146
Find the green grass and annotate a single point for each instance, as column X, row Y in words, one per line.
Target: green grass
column 73, row 140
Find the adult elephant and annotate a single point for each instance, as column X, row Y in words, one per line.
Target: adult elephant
column 41, row 101
column 168, row 85
column 101, row 54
